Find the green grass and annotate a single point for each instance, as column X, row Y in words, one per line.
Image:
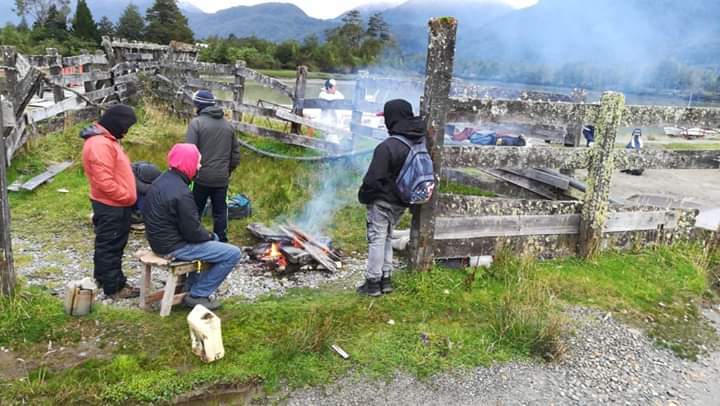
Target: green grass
column 443, row 320
column 447, row 186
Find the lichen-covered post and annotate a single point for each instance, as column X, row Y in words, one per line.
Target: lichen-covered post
column 299, row 96
column 7, row 269
column 435, row 104
column 238, row 89
column 55, row 70
column 600, row 172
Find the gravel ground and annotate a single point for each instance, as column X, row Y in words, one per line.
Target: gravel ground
column 250, row 279
column 607, row 363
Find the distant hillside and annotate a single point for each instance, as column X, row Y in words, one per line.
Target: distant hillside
column 271, row 21
column 600, row 32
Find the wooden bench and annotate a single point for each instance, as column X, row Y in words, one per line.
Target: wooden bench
column 175, row 270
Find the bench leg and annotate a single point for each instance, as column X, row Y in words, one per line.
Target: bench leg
column 168, row 295
column 145, row 284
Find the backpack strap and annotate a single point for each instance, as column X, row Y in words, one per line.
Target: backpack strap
column 403, row 140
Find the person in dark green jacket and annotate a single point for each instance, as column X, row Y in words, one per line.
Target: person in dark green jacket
column 215, row 138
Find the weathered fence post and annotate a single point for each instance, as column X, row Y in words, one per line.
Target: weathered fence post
column 89, row 85
column 7, row 268
column 238, row 89
column 600, row 172
column 434, row 107
column 55, row 71
column 299, row 99
column 11, row 73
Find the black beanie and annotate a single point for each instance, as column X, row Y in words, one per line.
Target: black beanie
column 118, row 119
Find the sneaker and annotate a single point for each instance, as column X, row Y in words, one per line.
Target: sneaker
column 192, row 301
column 386, row 284
column 127, row 292
column 371, row 287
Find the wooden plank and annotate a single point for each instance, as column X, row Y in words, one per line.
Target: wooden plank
column 38, row 180
column 263, row 233
column 265, row 81
column 452, row 228
column 8, row 114
column 138, row 45
column 560, row 182
column 7, row 267
column 255, row 110
column 196, row 83
column 434, row 106
column 450, row 205
column 84, row 59
column 78, row 78
column 22, row 65
column 200, row 67
column 317, row 253
column 25, row 89
column 142, row 56
column 541, row 246
column 536, row 187
column 130, row 77
column 640, row 220
column 293, row 139
column 575, row 158
column 74, row 103
column 563, row 113
column 486, row 182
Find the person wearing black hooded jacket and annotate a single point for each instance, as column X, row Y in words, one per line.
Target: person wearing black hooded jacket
column 380, row 194
column 215, row 138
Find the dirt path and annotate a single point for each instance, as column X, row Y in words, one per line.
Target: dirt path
column 696, row 185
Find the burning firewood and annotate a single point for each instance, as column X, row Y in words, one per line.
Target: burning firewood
column 288, row 247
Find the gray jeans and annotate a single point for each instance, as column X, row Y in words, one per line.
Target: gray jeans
column 382, row 217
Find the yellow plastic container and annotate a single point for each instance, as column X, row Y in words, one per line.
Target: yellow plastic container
column 205, row 334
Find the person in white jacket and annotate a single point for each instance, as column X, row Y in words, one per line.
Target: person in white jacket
column 330, row 117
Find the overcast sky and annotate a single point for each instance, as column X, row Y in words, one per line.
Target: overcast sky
column 317, row 8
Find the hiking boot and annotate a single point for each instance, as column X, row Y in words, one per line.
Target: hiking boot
column 386, row 284
column 371, row 287
column 127, row 292
column 192, row 301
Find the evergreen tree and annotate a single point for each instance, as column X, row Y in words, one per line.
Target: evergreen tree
column 106, row 27
column 131, row 24
column 55, row 25
column 378, row 28
column 167, row 23
column 83, row 24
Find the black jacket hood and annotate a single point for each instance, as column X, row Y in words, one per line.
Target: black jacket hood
column 399, row 120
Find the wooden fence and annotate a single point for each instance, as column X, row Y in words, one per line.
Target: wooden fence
column 461, row 226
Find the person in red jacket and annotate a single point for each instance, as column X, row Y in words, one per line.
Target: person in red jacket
column 112, row 195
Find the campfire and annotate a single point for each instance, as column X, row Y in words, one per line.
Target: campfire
column 287, row 248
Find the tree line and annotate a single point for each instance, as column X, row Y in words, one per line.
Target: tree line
column 55, row 26
column 352, row 45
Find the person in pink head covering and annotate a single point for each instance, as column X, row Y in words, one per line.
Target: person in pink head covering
column 173, row 228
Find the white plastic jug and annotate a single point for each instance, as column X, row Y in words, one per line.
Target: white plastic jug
column 79, row 297
column 205, row 334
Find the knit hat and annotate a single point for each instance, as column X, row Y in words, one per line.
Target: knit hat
column 330, row 83
column 184, row 158
column 118, row 119
column 203, row 98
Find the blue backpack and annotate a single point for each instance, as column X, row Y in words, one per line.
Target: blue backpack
column 416, row 181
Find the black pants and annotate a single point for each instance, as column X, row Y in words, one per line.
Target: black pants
column 112, row 229
column 218, row 196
